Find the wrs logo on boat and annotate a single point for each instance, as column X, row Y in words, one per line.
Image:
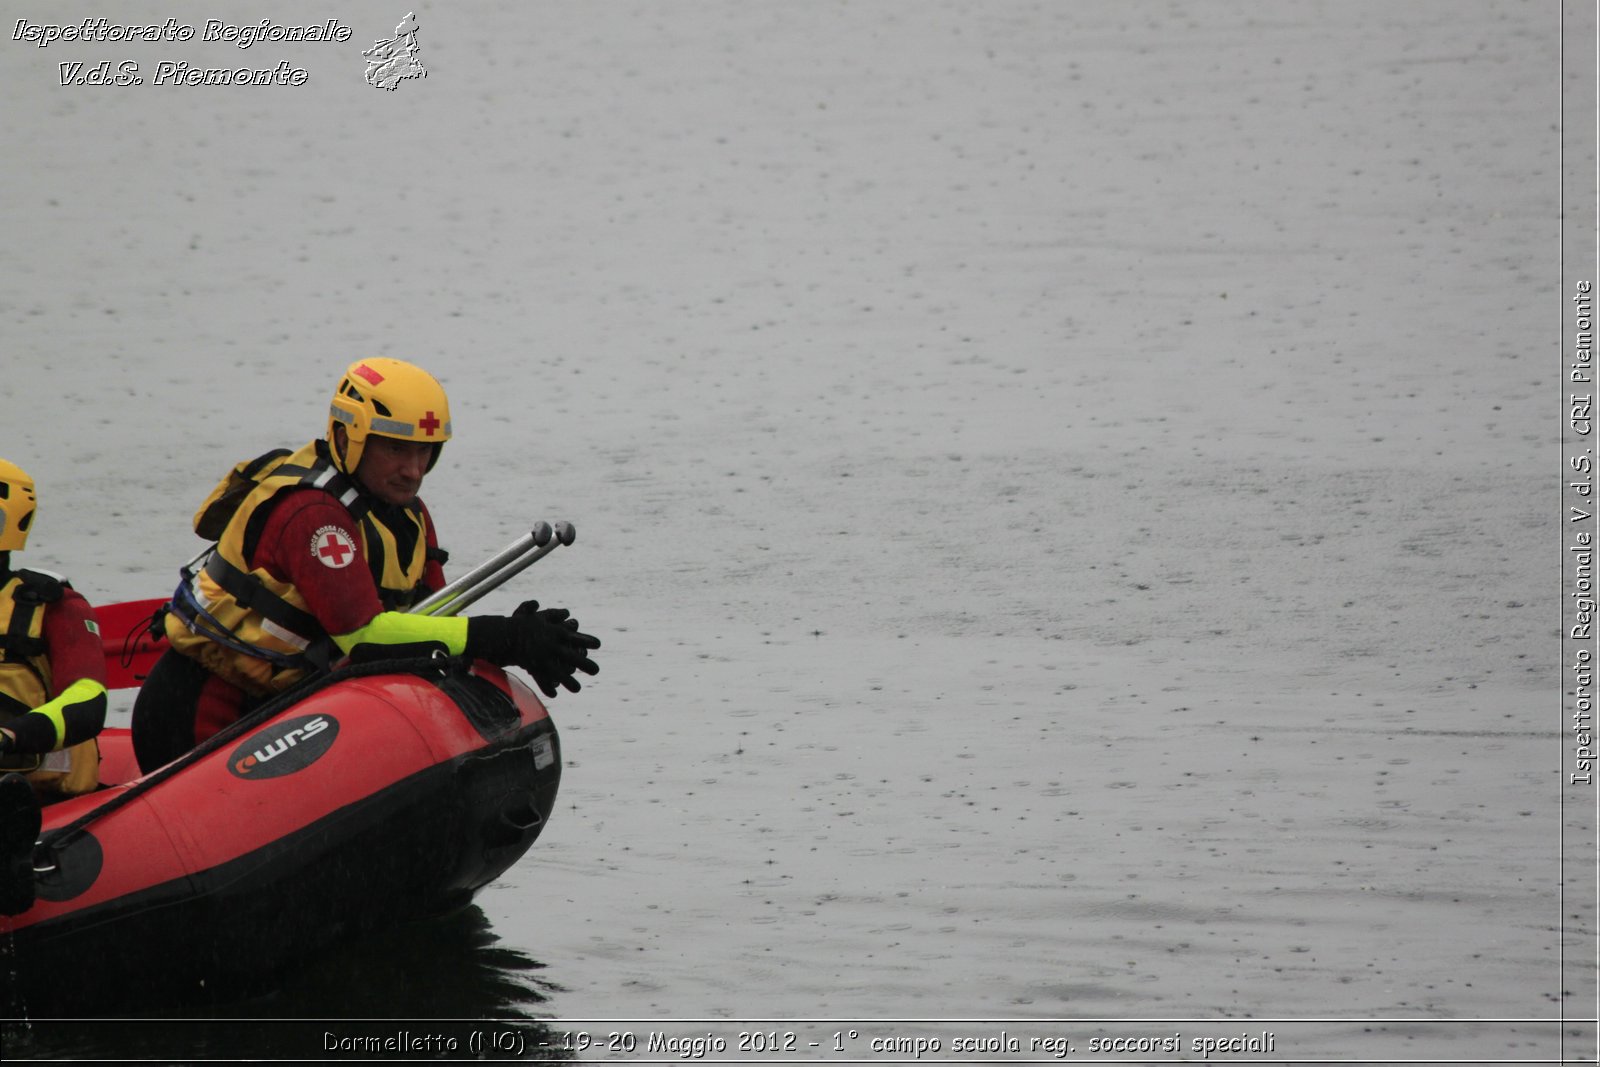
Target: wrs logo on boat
column 286, row 747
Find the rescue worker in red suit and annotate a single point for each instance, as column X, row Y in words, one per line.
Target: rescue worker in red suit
column 52, row 665
column 319, row 551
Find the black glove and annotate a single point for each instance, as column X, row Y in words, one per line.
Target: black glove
column 560, row 630
column 547, row 644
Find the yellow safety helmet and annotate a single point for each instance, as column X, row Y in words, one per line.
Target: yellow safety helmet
column 17, row 506
column 390, row 398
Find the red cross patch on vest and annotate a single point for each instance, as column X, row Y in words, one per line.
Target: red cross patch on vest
column 333, row 547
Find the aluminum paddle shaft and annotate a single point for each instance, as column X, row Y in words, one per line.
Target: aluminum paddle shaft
column 497, row 569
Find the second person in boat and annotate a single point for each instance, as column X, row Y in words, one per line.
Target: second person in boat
column 318, row 551
column 52, row 666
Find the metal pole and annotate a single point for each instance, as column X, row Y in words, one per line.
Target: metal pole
column 496, row 570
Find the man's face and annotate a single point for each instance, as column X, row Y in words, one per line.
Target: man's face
column 392, row 470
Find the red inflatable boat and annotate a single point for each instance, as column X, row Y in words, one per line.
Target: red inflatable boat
column 380, row 793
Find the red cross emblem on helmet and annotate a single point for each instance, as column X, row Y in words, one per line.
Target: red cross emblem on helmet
column 332, row 547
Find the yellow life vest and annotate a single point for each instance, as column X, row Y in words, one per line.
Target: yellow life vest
column 25, row 684
column 253, row 629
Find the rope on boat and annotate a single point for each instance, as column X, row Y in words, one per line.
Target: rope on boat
column 434, row 663
column 425, row 659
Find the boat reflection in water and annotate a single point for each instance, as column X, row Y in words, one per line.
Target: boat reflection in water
column 413, row 989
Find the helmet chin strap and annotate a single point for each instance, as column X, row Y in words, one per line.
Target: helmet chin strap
column 339, row 448
column 340, row 461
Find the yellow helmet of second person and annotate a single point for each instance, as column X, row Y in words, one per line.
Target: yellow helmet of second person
column 390, row 398
column 17, row 505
